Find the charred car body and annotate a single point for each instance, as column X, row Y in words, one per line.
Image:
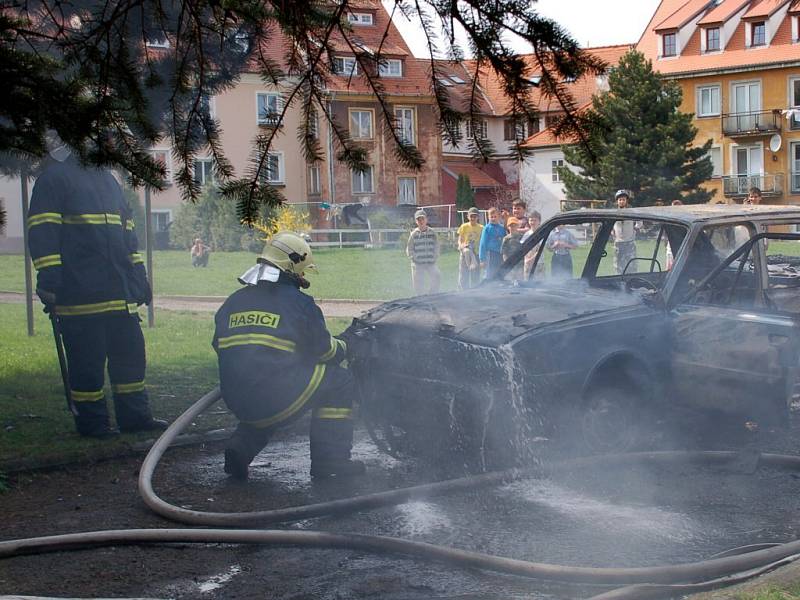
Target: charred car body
column 702, row 313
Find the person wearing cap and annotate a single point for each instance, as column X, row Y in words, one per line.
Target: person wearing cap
column 469, row 236
column 277, row 360
column 624, row 233
column 423, row 250
column 512, row 244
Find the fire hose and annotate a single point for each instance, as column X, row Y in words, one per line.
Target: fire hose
column 640, row 582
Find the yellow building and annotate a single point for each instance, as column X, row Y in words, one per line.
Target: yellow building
column 738, row 63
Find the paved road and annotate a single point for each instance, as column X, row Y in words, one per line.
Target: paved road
column 330, row 308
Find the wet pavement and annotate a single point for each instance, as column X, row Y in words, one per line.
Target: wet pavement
column 592, row 517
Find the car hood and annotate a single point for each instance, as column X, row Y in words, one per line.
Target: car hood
column 493, row 316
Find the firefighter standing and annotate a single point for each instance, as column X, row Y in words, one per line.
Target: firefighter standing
column 90, row 274
column 277, row 360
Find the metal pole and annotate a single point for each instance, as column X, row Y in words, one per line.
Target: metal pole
column 148, row 240
column 27, row 260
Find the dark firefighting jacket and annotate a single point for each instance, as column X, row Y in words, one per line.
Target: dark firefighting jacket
column 82, row 242
column 273, row 349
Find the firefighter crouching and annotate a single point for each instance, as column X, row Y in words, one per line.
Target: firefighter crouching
column 89, row 273
column 277, row 360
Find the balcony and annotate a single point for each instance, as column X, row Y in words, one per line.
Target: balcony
column 751, row 124
column 738, row 186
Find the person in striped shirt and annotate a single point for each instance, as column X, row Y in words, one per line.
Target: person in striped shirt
column 423, row 250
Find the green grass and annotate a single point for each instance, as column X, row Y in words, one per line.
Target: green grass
column 773, row 593
column 348, row 273
column 34, row 422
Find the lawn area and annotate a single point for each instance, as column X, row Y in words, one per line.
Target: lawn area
column 348, row 273
column 33, row 415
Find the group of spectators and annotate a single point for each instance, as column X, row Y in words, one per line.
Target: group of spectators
column 482, row 248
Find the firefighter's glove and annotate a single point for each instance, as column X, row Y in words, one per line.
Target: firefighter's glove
column 47, row 297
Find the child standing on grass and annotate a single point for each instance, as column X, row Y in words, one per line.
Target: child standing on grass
column 423, row 250
column 489, row 252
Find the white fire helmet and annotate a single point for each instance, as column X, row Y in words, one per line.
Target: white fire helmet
column 289, row 252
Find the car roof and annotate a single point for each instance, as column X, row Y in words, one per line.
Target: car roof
column 691, row 213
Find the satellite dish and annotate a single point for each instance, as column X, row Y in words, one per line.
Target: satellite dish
column 775, row 142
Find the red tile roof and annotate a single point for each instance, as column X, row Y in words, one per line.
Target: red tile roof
column 795, row 7
column 764, row 9
column 683, row 15
column 546, row 138
column 734, row 56
column 582, row 89
column 722, row 12
column 384, row 36
column 477, row 178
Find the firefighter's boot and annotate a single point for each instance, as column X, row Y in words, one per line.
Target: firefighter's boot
column 243, row 446
column 331, row 442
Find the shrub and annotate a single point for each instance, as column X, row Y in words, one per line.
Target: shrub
column 211, row 218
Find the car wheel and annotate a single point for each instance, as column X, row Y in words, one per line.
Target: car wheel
column 611, row 420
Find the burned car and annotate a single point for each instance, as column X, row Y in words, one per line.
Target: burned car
column 665, row 307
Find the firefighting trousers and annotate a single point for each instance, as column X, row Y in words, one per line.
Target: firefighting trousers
column 92, row 342
column 331, row 421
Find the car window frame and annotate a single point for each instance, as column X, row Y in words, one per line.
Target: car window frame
column 759, row 262
column 595, row 253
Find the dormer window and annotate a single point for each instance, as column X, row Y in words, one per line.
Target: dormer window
column 360, row 18
column 712, row 39
column 670, row 44
column 345, row 65
column 391, row 67
column 759, row 34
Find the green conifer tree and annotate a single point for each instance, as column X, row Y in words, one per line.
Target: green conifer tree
column 465, row 196
column 639, row 141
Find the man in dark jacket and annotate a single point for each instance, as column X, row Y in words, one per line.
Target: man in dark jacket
column 277, row 360
column 91, row 276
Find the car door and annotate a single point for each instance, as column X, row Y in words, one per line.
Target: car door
column 732, row 349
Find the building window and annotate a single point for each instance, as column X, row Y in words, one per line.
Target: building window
column 406, row 190
column 477, row 129
column 313, row 125
column 272, row 170
column 162, row 158
column 345, row 65
column 551, row 121
column 555, row 175
column 405, row 124
column 533, row 126
column 314, row 181
column 708, row 101
column 670, row 44
column 512, row 131
column 361, row 124
column 269, row 106
column 204, row 171
column 360, row 18
column 794, row 103
column 712, row 39
column 157, row 40
column 208, row 106
column 795, row 166
column 391, row 67
column 160, row 220
column 715, row 154
column 759, row 34
column 362, row 181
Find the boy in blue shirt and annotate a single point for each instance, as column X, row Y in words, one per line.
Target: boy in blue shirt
column 492, row 236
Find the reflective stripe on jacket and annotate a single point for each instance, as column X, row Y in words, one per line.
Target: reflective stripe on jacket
column 272, row 344
column 83, row 243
